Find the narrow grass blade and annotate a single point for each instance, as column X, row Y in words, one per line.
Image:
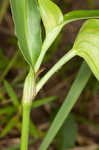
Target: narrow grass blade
column 11, row 93
column 7, row 110
column 33, row 130
column 43, row 101
column 9, row 126
column 86, row 121
column 74, row 93
column 9, row 66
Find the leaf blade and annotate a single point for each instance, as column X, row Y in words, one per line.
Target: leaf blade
column 11, row 93
column 11, row 124
column 51, row 14
column 27, row 27
column 69, row 17
column 87, row 44
column 76, row 89
column 79, row 15
column 43, row 101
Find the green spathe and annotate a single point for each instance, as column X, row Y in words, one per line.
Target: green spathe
column 87, row 44
column 26, row 18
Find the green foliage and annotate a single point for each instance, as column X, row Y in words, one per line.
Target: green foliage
column 74, row 93
column 51, row 14
column 9, row 126
column 28, row 31
column 9, row 66
column 43, row 101
column 67, row 135
column 87, row 45
column 33, row 130
column 54, row 21
column 79, row 15
column 84, row 120
column 27, row 27
column 52, row 49
column 52, row 18
column 11, row 114
column 7, row 110
column 11, row 93
column 3, row 60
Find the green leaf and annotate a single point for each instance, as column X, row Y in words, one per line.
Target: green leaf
column 9, row 126
column 52, row 18
column 7, row 110
column 9, row 66
column 51, row 14
column 74, row 93
column 84, row 120
column 33, row 130
column 11, row 93
column 3, row 60
column 43, row 101
column 67, row 135
column 87, row 44
column 26, row 17
column 79, row 15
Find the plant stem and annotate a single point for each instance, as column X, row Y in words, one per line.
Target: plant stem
column 55, row 68
column 28, row 96
column 40, row 59
column 25, row 126
column 46, row 44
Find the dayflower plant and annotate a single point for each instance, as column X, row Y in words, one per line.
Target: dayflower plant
column 26, row 16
